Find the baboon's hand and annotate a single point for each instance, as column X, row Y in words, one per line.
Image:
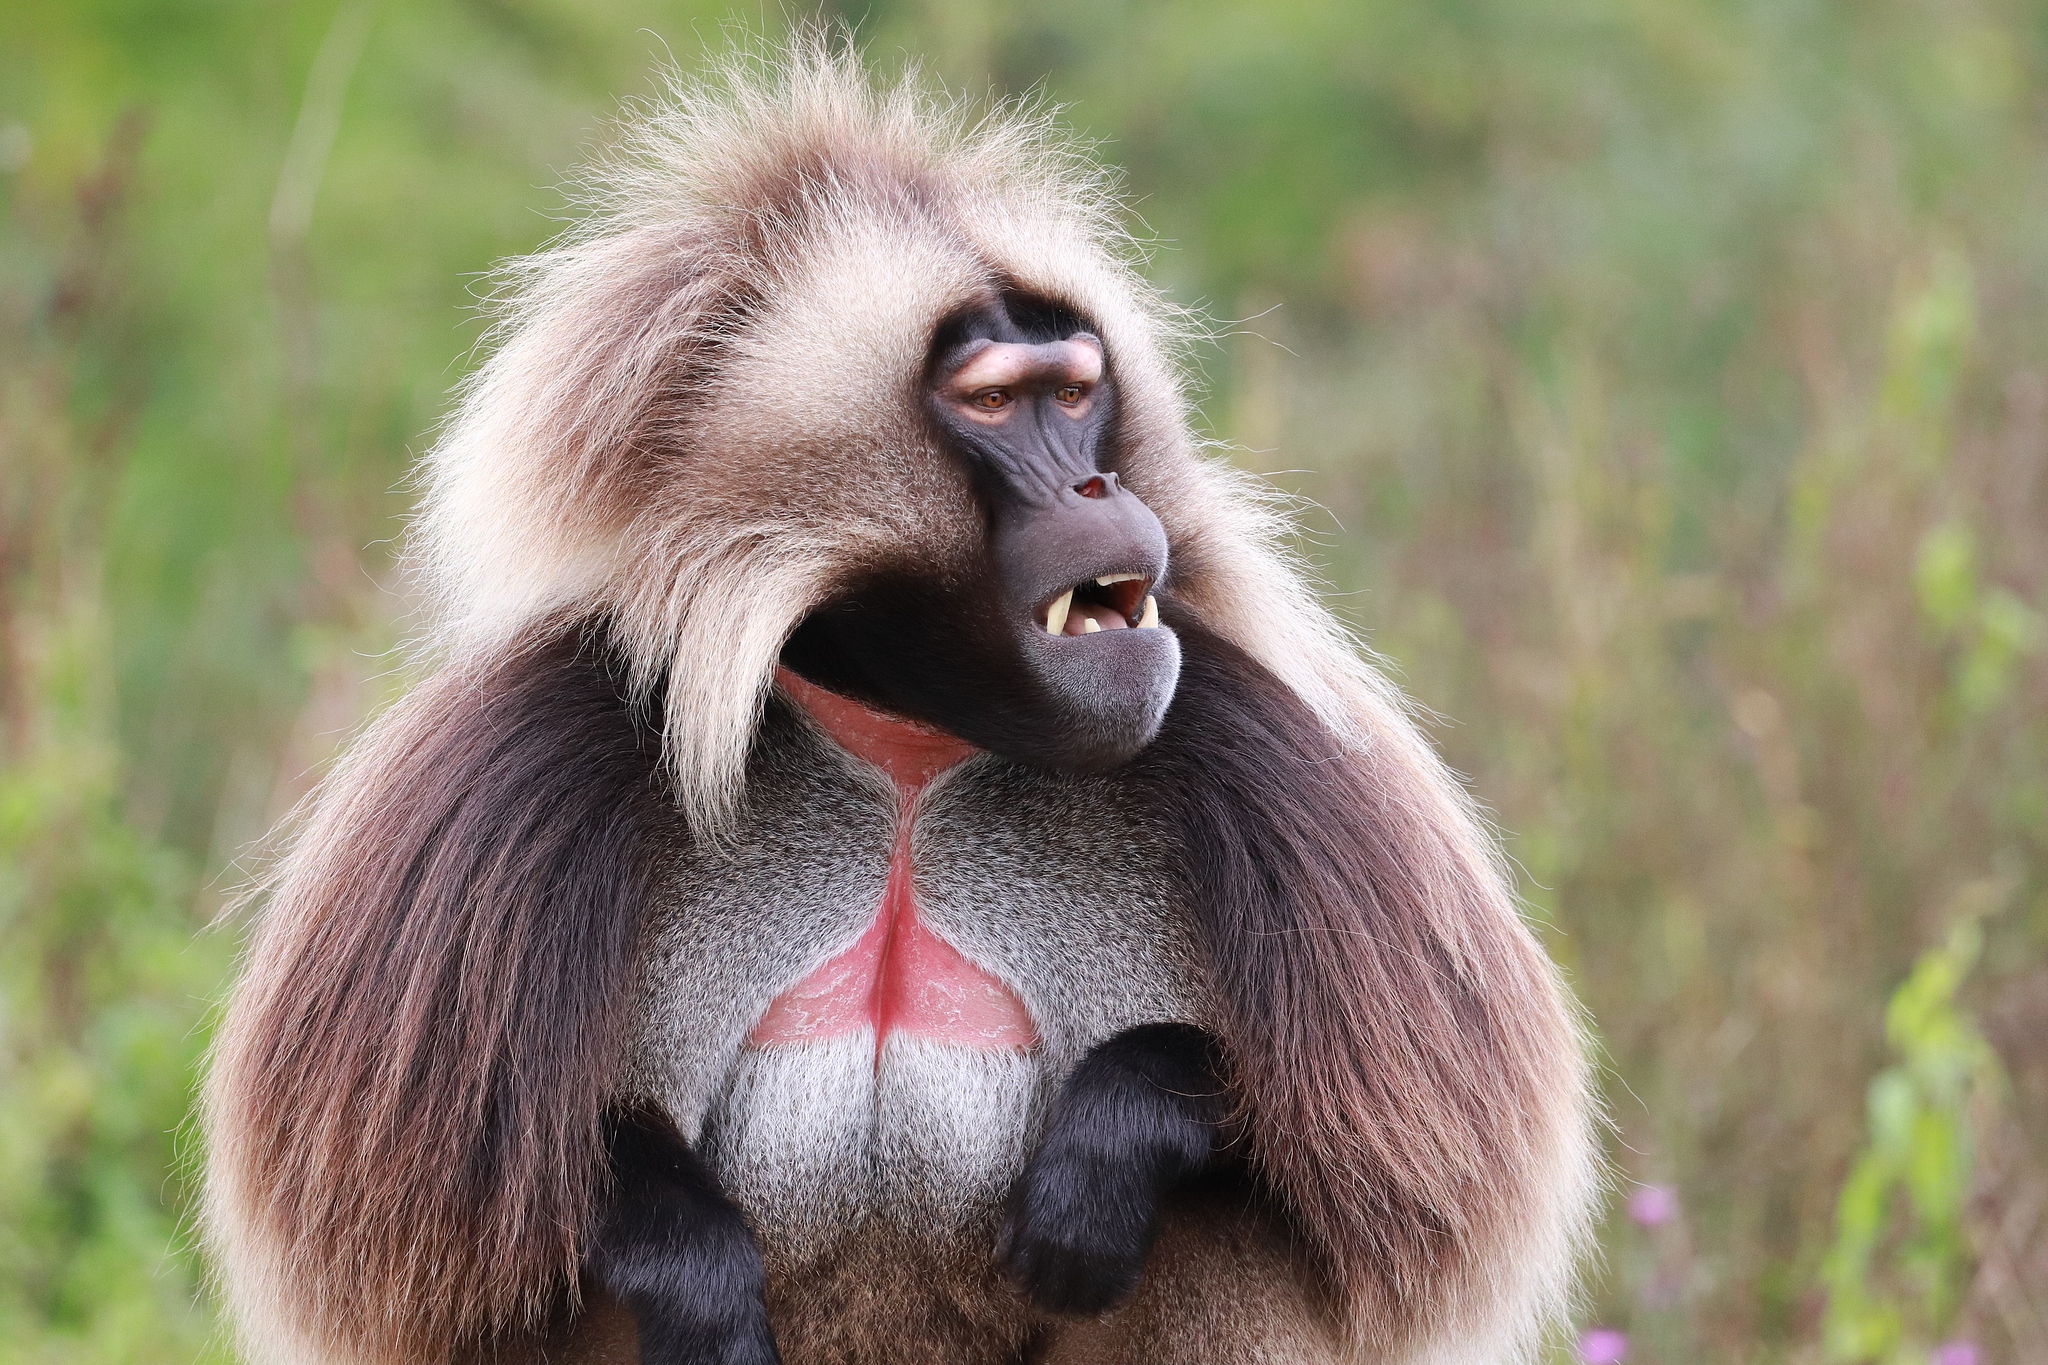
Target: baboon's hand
column 677, row 1253
column 1141, row 1113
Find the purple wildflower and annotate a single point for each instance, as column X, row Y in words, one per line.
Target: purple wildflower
column 1653, row 1205
column 1955, row 1353
column 1605, row 1346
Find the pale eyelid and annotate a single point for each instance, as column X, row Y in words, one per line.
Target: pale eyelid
column 1005, row 365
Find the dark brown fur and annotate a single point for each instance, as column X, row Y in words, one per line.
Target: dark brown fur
column 1394, row 1032
column 1226, row 1284
column 427, row 1042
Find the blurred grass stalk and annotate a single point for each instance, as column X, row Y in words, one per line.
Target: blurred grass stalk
column 1675, row 383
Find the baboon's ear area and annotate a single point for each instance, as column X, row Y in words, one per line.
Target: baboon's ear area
column 740, row 334
column 814, row 419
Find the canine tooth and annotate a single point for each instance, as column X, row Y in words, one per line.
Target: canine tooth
column 1089, row 625
column 1151, row 616
column 1110, row 578
column 1056, row 614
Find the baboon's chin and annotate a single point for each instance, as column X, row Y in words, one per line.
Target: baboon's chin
column 1104, row 696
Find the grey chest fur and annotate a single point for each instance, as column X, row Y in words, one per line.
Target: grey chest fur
column 1049, row 883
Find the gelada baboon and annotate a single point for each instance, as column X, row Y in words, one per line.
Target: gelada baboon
column 893, row 865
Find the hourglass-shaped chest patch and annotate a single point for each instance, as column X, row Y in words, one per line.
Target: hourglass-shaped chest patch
column 900, row 975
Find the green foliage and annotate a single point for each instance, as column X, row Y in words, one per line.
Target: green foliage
column 1901, row 1256
column 1990, row 630
column 101, row 979
column 1673, row 379
column 103, row 972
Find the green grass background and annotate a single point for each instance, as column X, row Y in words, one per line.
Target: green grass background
column 1666, row 382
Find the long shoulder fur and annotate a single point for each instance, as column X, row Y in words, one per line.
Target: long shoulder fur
column 1406, row 1064
column 405, row 1100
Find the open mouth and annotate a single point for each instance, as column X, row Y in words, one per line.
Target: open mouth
column 1115, row 601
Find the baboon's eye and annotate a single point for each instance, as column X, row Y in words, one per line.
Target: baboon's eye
column 1070, row 394
column 992, row 400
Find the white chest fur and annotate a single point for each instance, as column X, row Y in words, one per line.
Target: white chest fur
column 810, row 1140
column 1037, row 879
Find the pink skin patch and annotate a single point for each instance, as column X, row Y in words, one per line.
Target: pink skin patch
column 899, row 974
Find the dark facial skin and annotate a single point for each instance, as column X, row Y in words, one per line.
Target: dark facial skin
column 1033, row 656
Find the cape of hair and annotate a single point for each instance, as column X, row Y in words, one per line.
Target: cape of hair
column 404, row 1105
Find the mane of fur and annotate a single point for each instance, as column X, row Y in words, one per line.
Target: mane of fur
column 764, row 259
column 699, row 419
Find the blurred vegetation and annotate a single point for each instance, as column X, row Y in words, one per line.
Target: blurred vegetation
column 1672, row 382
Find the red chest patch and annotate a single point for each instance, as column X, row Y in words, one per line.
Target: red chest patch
column 899, row 974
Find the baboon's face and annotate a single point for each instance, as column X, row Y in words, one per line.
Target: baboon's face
column 1052, row 652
